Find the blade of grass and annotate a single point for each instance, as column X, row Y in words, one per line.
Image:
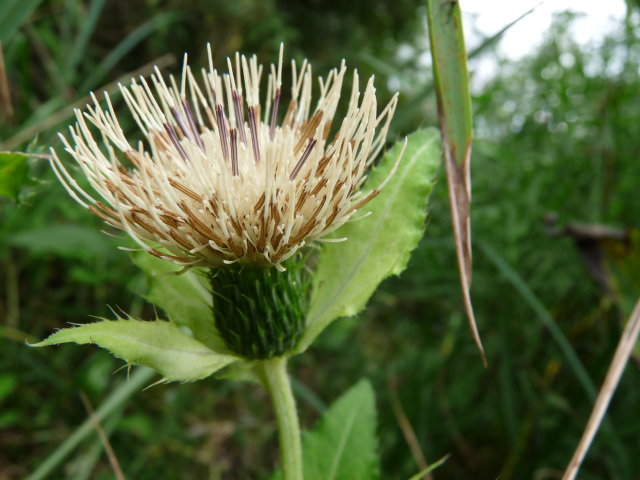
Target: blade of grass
column 408, row 110
column 304, row 393
column 454, row 114
column 547, row 320
column 430, row 468
column 543, row 315
column 126, row 45
column 112, row 403
column 12, row 15
column 406, row 428
column 45, row 58
column 104, row 439
column 90, row 457
column 61, row 115
column 620, row 359
column 493, row 39
column 506, row 381
column 86, row 30
column 16, row 335
column 6, row 112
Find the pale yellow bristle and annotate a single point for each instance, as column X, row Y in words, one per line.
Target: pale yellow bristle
column 220, row 181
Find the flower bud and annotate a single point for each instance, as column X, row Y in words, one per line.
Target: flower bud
column 260, row 311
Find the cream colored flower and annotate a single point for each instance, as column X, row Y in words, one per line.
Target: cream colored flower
column 218, row 178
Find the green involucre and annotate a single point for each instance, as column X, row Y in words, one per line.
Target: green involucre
column 260, row 311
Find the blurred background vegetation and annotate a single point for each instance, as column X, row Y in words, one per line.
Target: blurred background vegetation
column 556, row 160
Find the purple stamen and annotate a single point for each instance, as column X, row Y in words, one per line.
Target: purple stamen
column 186, row 131
column 222, row 130
column 254, row 133
column 234, row 152
column 171, row 131
column 237, row 106
column 303, row 158
column 192, row 123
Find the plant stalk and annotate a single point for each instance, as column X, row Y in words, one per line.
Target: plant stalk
column 276, row 381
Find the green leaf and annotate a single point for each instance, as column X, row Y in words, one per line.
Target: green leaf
column 8, row 384
column 343, row 444
column 160, row 345
column 14, row 174
column 75, row 241
column 379, row 245
column 185, row 297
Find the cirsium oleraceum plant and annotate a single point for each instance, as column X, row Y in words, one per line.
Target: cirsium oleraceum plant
column 228, row 187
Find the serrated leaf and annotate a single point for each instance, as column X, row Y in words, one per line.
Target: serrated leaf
column 343, row 446
column 160, row 345
column 379, row 245
column 184, row 298
column 14, row 174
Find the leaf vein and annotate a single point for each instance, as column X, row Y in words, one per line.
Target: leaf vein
column 70, row 337
column 341, row 444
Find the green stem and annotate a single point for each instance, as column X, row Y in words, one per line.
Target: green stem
column 276, row 381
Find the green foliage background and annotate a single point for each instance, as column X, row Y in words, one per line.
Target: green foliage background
column 556, row 132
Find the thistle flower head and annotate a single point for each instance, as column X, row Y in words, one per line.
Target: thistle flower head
column 220, row 178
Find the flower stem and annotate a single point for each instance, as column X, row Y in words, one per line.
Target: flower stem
column 276, row 381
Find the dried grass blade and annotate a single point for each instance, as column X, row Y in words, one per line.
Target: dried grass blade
column 620, row 359
column 454, row 113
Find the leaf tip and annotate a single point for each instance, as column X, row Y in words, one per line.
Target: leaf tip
column 42, row 343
